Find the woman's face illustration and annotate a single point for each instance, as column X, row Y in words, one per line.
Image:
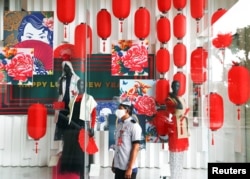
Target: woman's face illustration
column 31, row 33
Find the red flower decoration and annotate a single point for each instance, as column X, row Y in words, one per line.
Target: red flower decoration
column 222, row 41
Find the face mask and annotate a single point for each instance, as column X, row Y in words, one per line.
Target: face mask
column 120, row 113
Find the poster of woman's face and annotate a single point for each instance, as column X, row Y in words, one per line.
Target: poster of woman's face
column 34, row 29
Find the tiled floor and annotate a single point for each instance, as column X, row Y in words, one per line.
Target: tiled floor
column 105, row 173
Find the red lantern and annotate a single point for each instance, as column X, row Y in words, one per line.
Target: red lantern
column 199, row 65
column 179, row 24
column 216, row 112
column 163, row 29
column 142, row 23
column 197, row 10
column 222, row 40
column 181, row 77
column 103, row 25
column 220, row 12
column 83, row 40
column 238, row 85
column 161, row 90
column 37, row 121
column 164, row 5
column 121, row 9
column 63, row 49
column 179, row 4
column 180, row 55
column 162, row 60
column 65, row 12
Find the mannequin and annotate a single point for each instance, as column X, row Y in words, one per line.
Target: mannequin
column 67, row 90
column 82, row 116
column 176, row 112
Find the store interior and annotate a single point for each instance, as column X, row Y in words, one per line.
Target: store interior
column 220, row 135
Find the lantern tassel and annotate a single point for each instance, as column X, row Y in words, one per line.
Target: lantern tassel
column 121, row 26
column 212, row 138
column 197, row 26
column 238, row 111
column 65, row 31
column 103, row 46
column 36, row 147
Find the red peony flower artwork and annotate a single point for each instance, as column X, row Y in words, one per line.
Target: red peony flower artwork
column 129, row 58
column 16, row 66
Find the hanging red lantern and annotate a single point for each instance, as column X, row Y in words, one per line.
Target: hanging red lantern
column 199, row 65
column 197, row 10
column 163, row 29
column 121, row 9
column 164, row 5
column 142, row 23
column 37, row 122
column 162, row 60
column 217, row 14
column 65, row 10
column 181, row 77
column 179, row 24
column 161, row 90
column 179, row 4
column 180, row 55
column 83, row 40
column 103, row 25
column 238, row 85
column 63, row 49
column 222, row 40
column 216, row 112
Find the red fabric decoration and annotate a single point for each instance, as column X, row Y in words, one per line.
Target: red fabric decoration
column 121, row 9
column 218, row 14
column 142, row 23
column 164, row 5
column 179, row 4
column 181, row 77
column 179, row 24
column 163, row 35
column 37, row 122
column 83, row 35
column 161, row 90
column 223, row 40
column 103, row 25
column 65, row 11
column 199, row 65
column 180, row 55
column 162, row 60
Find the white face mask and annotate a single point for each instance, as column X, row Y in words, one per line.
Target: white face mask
column 120, row 113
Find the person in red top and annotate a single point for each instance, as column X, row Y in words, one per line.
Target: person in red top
column 178, row 142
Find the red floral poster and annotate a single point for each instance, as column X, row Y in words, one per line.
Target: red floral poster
column 16, row 66
column 129, row 58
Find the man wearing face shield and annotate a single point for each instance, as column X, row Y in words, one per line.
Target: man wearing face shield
column 127, row 143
